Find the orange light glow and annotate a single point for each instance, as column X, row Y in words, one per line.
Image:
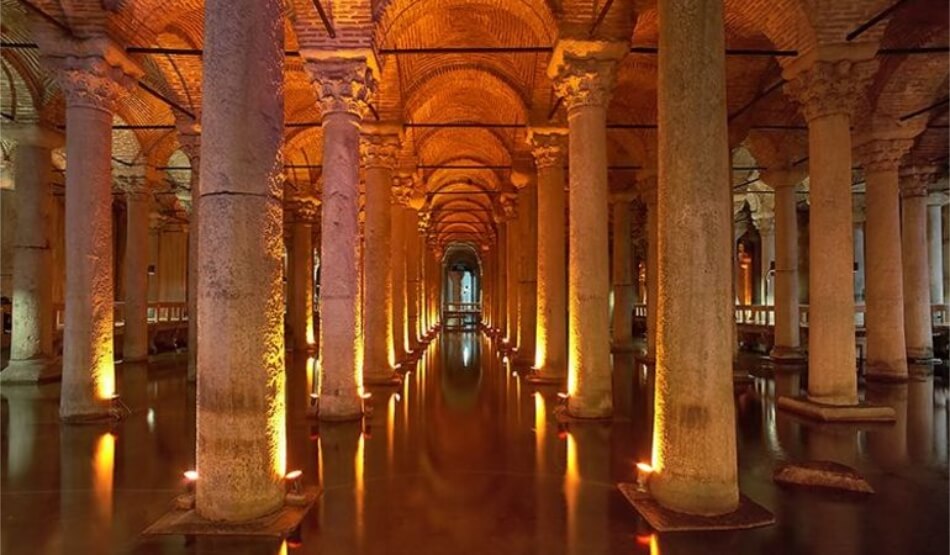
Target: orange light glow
column 540, row 429
column 644, row 467
column 293, row 475
column 572, row 481
column 191, row 475
column 571, row 378
column 105, row 381
column 391, row 427
column 311, row 366
column 103, row 467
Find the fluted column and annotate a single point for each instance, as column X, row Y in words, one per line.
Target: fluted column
column 528, row 270
column 138, row 201
column 379, row 146
column 935, row 202
column 884, row 300
column 343, row 89
column 303, row 211
column 787, row 346
column 622, row 275
column 241, row 449
column 914, row 182
column 584, row 75
column 694, row 442
column 93, row 86
column 549, row 147
column 189, row 137
column 827, row 91
column 31, row 342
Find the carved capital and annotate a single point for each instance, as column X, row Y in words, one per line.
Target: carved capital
column 915, row 180
column 189, row 139
column 509, row 205
column 135, row 186
column 304, row 209
column 584, row 72
column 829, row 87
column 548, row 146
column 883, row 155
column 343, row 85
column 403, row 190
column 93, row 83
column 379, row 149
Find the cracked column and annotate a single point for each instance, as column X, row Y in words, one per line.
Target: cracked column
column 914, row 182
column 343, row 87
column 527, row 268
column 622, row 275
column 584, row 73
column 379, row 146
column 935, row 202
column 241, row 451
column 549, row 147
column 93, row 82
column 138, row 203
column 787, row 346
column 694, row 441
column 32, row 358
column 304, row 211
column 884, row 298
column 646, row 186
column 189, row 138
column 828, row 83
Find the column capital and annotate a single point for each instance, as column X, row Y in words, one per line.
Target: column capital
column 584, row 72
column 831, row 80
column 620, row 197
column 878, row 155
column 915, row 180
column 509, row 205
column 133, row 183
column 379, row 145
column 764, row 222
column 343, row 83
column 189, row 139
column 34, row 134
column 858, row 209
column 304, row 209
column 782, row 178
column 548, row 146
column 646, row 189
column 938, row 198
column 402, row 191
column 520, row 180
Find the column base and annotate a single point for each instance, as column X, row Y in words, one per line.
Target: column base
column 749, row 514
column 568, row 413
column 645, row 358
column 33, row 370
column 622, row 348
column 787, row 355
column 538, row 377
column 111, row 414
column 383, row 379
column 885, row 377
column 337, row 409
column 861, row 412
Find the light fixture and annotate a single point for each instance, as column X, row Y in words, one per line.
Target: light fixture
column 186, row 501
column 644, row 471
column 295, row 494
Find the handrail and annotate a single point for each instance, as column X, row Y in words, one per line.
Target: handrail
column 158, row 312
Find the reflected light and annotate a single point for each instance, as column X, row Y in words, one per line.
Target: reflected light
column 651, row 541
column 103, row 466
column 571, row 487
column 311, row 366
column 150, row 418
column 391, row 427
column 104, row 377
column 540, row 428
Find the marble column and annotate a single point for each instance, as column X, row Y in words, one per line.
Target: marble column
column 884, row 313
column 549, row 147
column 647, row 189
column 138, row 202
column 304, row 211
column 787, row 346
column 622, row 275
column 765, row 224
column 413, row 272
column 914, row 182
column 584, row 73
column 343, row 89
column 241, row 448
column 935, row 202
column 527, row 270
column 31, row 344
column 398, row 217
column 512, row 249
column 694, row 442
column 379, row 146
column 189, row 138
column 827, row 89
column 93, row 86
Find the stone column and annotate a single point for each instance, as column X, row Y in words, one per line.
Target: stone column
column 241, row 450
column 765, row 224
column 304, row 211
column 884, row 314
column 935, row 201
column 398, row 214
column 583, row 73
column 916, row 270
column 827, row 89
column 787, row 346
column 343, row 89
column 622, row 318
column 528, row 269
column 860, row 267
column 549, row 147
column 138, row 202
column 648, row 194
column 93, row 85
column 512, row 248
column 413, row 271
column 379, row 146
column 31, row 343
column 501, row 279
column 694, row 443
column 189, row 138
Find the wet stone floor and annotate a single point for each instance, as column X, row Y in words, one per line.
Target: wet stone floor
column 466, row 457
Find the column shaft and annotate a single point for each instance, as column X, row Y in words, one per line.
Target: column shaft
column 622, row 320
column 302, row 284
column 412, row 278
column 916, row 273
column 398, row 265
column 787, row 329
column 935, row 252
column 135, row 332
column 378, row 301
column 512, row 254
column 528, row 270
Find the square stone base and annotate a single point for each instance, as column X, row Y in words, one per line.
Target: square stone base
column 279, row 524
column 861, row 412
column 749, row 514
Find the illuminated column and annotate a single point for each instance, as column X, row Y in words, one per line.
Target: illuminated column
column 398, row 214
column 31, row 344
column 884, row 315
column 413, row 271
column 509, row 205
column 343, row 89
column 935, row 201
column 189, row 137
column 584, row 74
column 379, row 146
column 787, row 345
column 765, row 224
column 138, row 200
column 647, row 188
column 916, row 272
column 304, row 213
column 527, row 269
column 827, row 90
column 93, row 86
column 694, row 442
column 240, row 384
column 501, row 278
column 549, row 147
column 622, row 319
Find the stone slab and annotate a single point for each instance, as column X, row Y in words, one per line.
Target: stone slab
column 749, row 514
column 862, row 412
column 822, row 474
column 279, row 524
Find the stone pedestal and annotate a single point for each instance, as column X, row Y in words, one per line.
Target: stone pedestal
column 549, row 147
column 583, row 73
column 31, row 345
column 694, row 442
column 241, row 447
column 787, row 346
column 916, row 271
column 343, row 89
column 304, row 213
column 622, row 276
